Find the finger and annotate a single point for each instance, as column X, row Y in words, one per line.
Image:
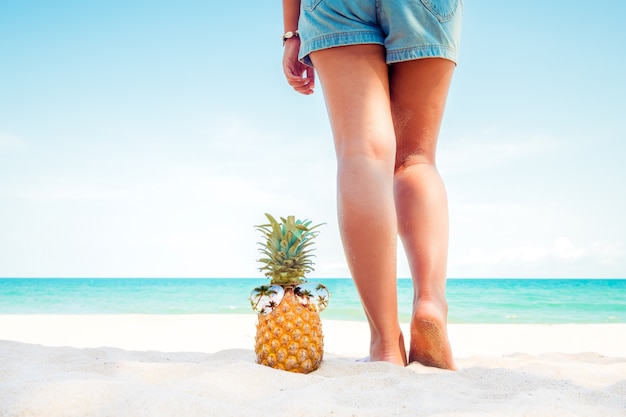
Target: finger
column 310, row 73
column 304, row 89
column 299, row 80
column 302, row 84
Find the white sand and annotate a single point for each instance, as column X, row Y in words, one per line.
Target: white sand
column 188, row 366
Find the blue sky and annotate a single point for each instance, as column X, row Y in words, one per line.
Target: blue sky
column 147, row 138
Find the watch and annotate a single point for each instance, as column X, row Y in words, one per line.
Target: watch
column 289, row 35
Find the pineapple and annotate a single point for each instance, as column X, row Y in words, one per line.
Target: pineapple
column 289, row 328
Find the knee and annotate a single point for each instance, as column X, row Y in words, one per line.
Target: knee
column 375, row 150
column 418, row 157
column 411, row 153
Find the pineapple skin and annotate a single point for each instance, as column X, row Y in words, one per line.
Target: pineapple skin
column 290, row 337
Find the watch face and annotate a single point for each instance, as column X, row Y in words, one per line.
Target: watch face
column 289, row 35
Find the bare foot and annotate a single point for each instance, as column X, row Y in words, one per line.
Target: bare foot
column 429, row 338
column 395, row 354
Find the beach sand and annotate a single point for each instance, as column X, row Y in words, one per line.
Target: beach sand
column 204, row 365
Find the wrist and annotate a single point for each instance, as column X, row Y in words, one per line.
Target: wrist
column 290, row 34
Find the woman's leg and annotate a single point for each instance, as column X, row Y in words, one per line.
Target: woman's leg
column 356, row 89
column 418, row 92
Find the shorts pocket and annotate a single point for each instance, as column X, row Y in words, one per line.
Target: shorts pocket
column 310, row 5
column 443, row 10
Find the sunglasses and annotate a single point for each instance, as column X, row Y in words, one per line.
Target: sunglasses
column 266, row 298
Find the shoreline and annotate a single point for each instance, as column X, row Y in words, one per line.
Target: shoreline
column 210, row 333
column 509, row 301
column 204, row 365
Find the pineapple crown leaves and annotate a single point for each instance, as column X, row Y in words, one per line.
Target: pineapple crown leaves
column 287, row 249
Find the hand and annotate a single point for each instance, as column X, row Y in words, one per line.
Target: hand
column 299, row 76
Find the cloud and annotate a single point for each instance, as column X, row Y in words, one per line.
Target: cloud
column 10, row 141
column 537, row 238
column 77, row 192
column 608, row 253
column 486, row 151
column 565, row 249
column 562, row 250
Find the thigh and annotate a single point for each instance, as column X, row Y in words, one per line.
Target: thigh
column 356, row 90
column 418, row 93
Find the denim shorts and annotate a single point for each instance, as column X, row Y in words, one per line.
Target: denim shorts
column 408, row 29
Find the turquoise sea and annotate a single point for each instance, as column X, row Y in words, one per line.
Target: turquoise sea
column 470, row 300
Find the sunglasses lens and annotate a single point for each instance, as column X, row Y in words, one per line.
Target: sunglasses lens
column 316, row 294
column 266, row 298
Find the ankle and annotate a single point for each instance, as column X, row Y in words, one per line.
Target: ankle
column 430, row 303
column 388, row 348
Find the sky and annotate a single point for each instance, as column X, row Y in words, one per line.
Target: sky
column 147, row 138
